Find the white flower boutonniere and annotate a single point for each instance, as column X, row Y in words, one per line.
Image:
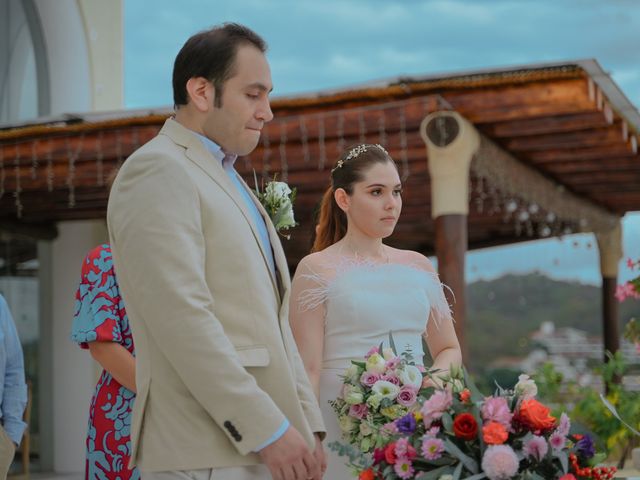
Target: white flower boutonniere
column 277, row 199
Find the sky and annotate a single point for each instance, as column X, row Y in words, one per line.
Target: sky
column 337, row 43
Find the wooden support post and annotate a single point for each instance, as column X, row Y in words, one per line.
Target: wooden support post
column 451, row 142
column 610, row 245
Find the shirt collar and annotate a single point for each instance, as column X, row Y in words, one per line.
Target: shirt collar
column 216, row 151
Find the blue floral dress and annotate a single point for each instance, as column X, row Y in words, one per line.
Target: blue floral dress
column 100, row 317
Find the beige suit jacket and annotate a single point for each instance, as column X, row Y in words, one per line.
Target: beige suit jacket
column 217, row 369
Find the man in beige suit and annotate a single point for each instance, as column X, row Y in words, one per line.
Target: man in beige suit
column 222, row 392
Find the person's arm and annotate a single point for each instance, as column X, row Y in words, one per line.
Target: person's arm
column 116, row 360
column 440, row 334
column 307, row 324
column 443, row 345
column 14, row 398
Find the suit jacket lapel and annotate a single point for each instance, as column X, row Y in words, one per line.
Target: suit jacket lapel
column 198, row 154
column 282, row 268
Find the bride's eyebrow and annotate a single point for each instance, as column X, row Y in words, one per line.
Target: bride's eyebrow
column 399, row 185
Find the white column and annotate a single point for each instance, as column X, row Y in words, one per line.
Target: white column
column 68, row 384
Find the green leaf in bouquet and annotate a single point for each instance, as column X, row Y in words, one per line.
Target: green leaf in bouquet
column 475, row 411
column 392, row 344
column 457, row 472
column 469, row 463
column 362, row 365
column 476, row 395
column 365, row 445
column 447, row 422
column 563, row 458
column 437, row 473
column 535, row 476
column 477, row 476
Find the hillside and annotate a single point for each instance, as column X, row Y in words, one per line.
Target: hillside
column 502, row 313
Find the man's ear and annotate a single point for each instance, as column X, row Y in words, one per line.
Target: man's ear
column 342, row 199
column 201, row 93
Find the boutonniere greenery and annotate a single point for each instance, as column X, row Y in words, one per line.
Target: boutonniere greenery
column 277, row 199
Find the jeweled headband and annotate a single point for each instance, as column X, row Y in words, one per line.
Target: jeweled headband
column 354, row 152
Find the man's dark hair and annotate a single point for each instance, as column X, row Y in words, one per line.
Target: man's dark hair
column 211, row 54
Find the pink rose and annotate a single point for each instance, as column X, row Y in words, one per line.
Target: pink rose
column 393, row 363
column 358, row 411
column 369, row 378
column 391, row 377
column 407, row 396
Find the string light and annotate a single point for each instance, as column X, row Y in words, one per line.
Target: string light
column 50, row 166
column 18, row 190
column 284, row 170
column 304, row 139
column 322, row 158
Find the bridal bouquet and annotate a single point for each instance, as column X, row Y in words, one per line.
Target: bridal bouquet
column 454, row 432
column 277, row 199
column 381, row 389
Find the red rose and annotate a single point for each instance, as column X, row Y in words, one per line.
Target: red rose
column 465, row 426
column 390, row 453
column 535, row 415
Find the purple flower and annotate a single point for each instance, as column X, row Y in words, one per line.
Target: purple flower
column 358, row 411
column 407, row 396
column 404, row 468
column 406, row 424
column 496, row 409
column 369, row 378
column 432, row 448
column 536, row 447
column 500, row 462
column 585, row 447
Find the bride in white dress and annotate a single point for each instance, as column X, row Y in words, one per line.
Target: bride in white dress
column 353, row 290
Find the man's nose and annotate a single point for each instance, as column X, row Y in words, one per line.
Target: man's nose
column 264, row 113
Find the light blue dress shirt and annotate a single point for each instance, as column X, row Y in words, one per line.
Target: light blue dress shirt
column 227, row 163
column 13, row 390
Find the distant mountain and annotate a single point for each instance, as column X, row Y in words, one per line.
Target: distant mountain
column 502, row 313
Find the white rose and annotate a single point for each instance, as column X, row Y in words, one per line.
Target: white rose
column 410, row 375
column 445, row 477
column 376, row 364
column 277, row 190
column 526, row 387
column 385, row 389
